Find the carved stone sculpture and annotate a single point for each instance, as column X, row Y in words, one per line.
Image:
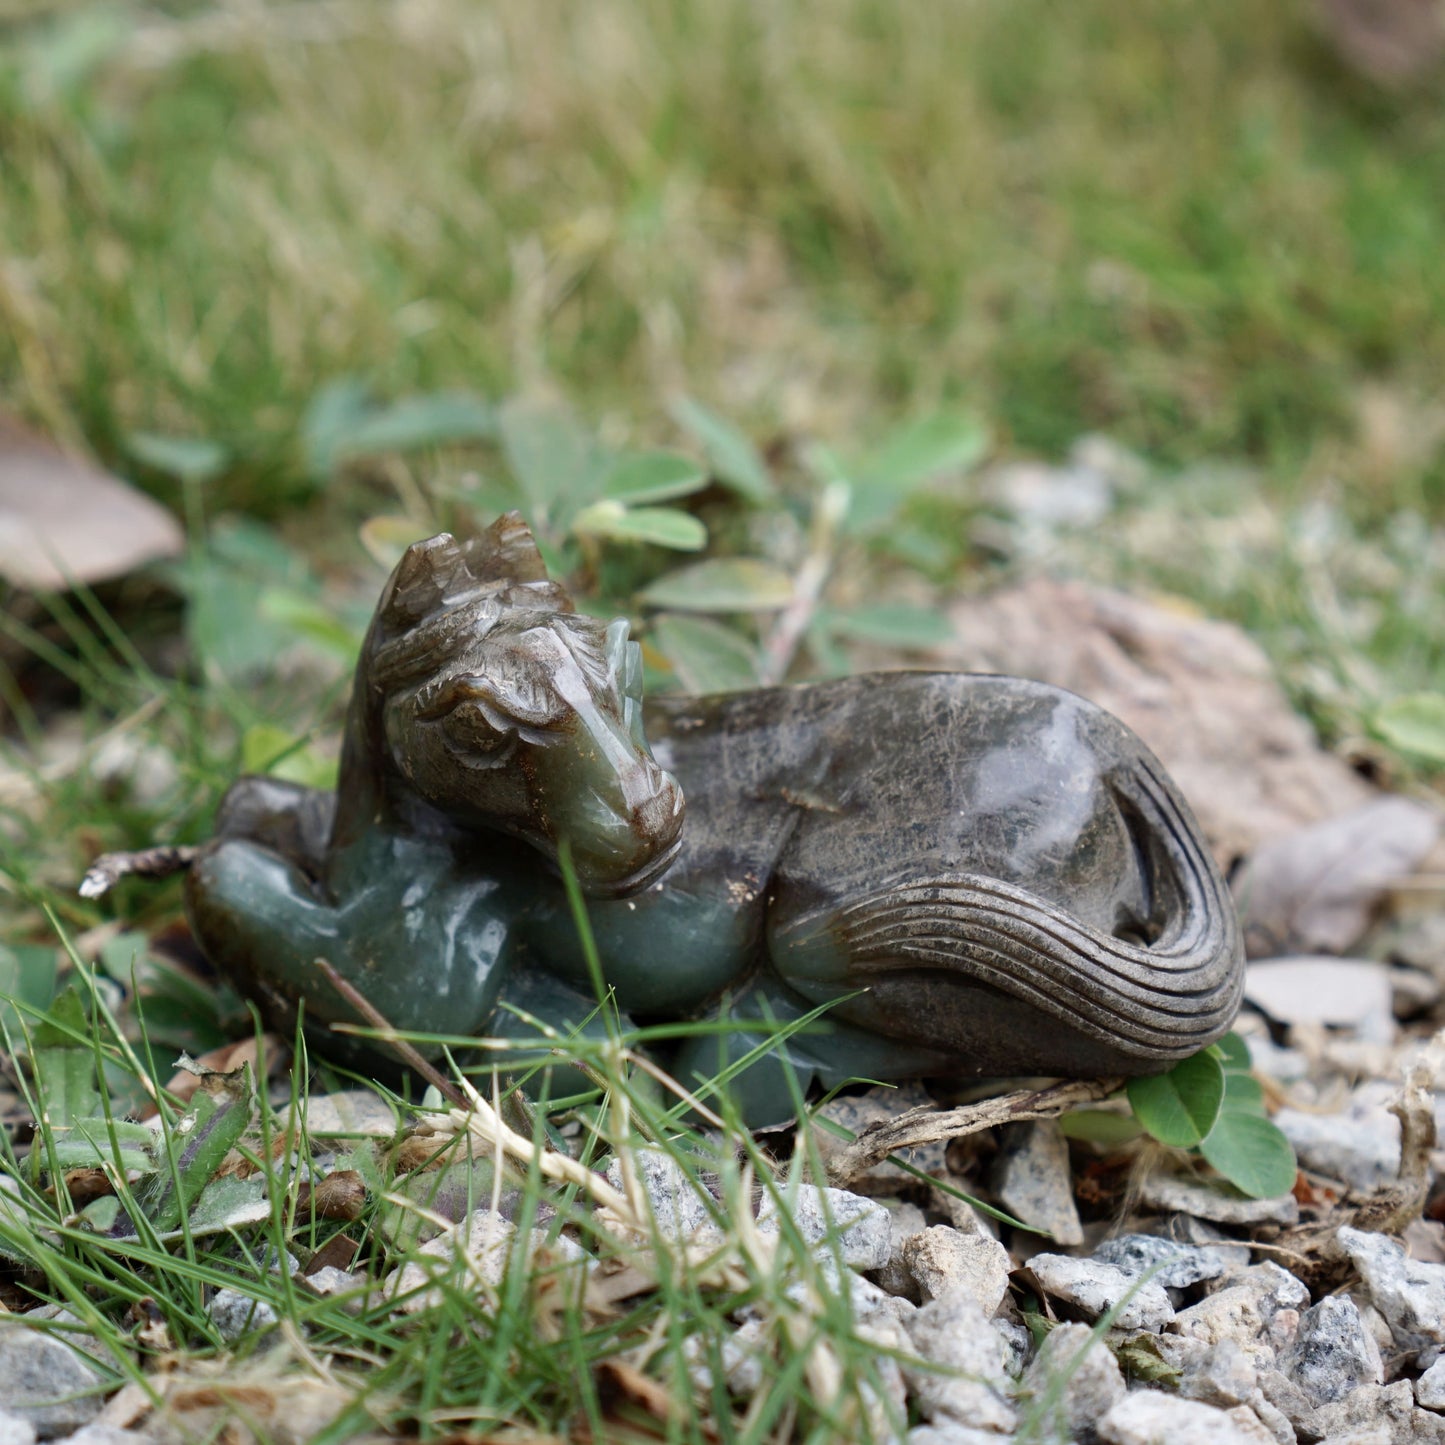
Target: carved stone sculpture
column 982, row 875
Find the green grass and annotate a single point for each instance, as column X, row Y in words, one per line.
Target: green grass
column 1181, row 223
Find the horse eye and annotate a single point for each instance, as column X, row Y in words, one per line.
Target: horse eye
column 468, row 728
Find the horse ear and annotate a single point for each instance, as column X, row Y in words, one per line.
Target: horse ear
column 505, row 552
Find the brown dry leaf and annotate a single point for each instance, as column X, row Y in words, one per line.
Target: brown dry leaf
column 1317, row 889
column 340, row 1195
column 1390, row 41
column 1200, row 693
column 63, row 520
column 628, row 1397
column 337, row 1253
column 226, row 1059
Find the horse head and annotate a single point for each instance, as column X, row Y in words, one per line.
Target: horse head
column 502, row 708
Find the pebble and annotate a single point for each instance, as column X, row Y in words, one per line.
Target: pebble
column 1220, row 1203
column 1359, row 1146
column 43, row 1380
column 1221, row 1374
column 1149, row 1417
column 949, row 1432
column 827, row 1218
column 679, row 1202
column 1034, row 1182
column 1258, row 1310
column 1175, row 1266
column 941, row 1259
column 1410, row 1294
column 351, row 1112
column 1390, row 1409
column 98, row 1434
column 955, row 1334
column 1430, row 1387
column 235, row 1314
column 15, row 1429
column 1094, row 1288
column 1333, row 1353
column 1074, row 1380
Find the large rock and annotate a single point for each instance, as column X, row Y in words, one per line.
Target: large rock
column 1033, row 1181
column 1388, row 1410
column 1333, row 1352
column 1174, row 1265
column 1409, row 1293
column 829, row 1219
column 1074, row 1381
column 1200, row 693
column 1149, row 1417
column 970, row 1384
column 46, row 1382
column 941, row 1259
column 1093, row 1288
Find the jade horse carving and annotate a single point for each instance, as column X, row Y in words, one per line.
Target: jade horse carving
column 982, row 875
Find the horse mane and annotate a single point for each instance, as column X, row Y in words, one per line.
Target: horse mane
column 446, row 597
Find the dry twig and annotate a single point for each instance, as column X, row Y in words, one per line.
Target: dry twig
column 932, row 1126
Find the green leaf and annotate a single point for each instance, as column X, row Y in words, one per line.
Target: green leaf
column 415, row 422
column 1179, row 1108
column 1415, row 724
column 275, row 752
column 729, row 584
column 219, row 1115
column 27, row 976
column 735, row 461
column 65, row 1076
column 189, row 459
column 1252, row 1153
column 912, row 456
column 661, row 526
column 86, row 1144
column 893, row 624
column 706, row 655
column 1234, row 1054
column 550, row 455
column 336, row 411
column 311, row 620
column 1099, row 1126
column 654, row 477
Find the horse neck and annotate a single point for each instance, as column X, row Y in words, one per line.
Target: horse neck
column 370, row 792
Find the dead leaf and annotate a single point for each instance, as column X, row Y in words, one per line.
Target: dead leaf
column 1317, row 889
column 340, row 1195
column 1200, row 693
column 628, row 1397
column 63, row 520
column 337, row 1253
column 1390, row 41
column 227, row 1059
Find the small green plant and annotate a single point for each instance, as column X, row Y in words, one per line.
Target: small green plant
column 1212, row 1103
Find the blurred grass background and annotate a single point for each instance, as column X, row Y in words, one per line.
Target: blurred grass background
column 1182, row 222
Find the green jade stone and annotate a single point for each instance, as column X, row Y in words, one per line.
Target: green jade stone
column 980, row 876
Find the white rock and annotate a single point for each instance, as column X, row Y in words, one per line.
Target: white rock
column 15, row 1429
column 1223, row 1374
column 1175, row 1266
column 1388, row 1408
column 97, row 1433
column 490, row 1244
column 942, row 1258
column 1220, row 1203
column 681, row 1206
column 1034, row 1182
column 1148, row 1417
column 1430, row 1387
column 235, row 1314
column 1259, row 1311
column 1319, row 989
column 829, row 1218
column 1094, row 1288
column 743, row 1354
column 1333, row 1353
column 1359, row 1146
column 1409, row 1293
column 1073, row 1380
column 949, row 1432
column 44, row 1380
column 954, row 1334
